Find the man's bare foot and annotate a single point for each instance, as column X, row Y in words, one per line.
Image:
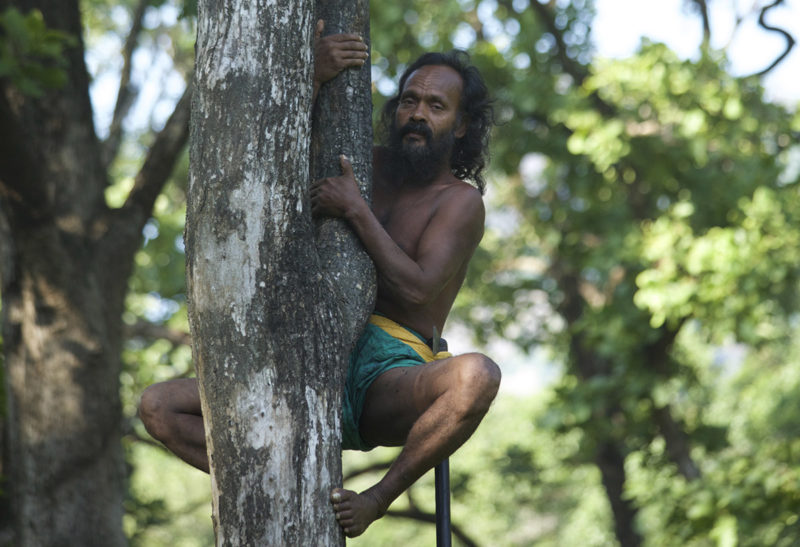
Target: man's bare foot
column 355, row 511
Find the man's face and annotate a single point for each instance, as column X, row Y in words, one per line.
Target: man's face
column 427, row 120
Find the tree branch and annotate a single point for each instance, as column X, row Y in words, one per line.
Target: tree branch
column 545, row 13
column 160, row 161
column 702, row 7
column 125, row 95
column 574, row 69
column 788, row 37
column 21, row 180
column 677, row 443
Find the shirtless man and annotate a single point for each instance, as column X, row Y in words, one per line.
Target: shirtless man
column 421, row 232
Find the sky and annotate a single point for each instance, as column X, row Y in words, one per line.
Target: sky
column 621, row 24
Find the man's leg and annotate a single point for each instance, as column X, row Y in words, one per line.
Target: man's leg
column 431, row 409
column 171, row 413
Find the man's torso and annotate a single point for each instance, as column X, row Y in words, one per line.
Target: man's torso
column 405, row 212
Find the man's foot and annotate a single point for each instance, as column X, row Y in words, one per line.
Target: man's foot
column 355, row 512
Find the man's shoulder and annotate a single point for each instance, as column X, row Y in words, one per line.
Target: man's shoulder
column 462, row 194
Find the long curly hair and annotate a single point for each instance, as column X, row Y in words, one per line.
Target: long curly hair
column 470, row 152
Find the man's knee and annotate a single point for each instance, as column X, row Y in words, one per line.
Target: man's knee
column 153, row 410
column 477, row 380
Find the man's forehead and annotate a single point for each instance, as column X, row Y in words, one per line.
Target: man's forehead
column 435, row 79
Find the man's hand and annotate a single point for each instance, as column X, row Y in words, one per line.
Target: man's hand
column 336, row 196
column 334, row 53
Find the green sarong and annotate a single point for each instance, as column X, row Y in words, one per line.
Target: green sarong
column 383, row 345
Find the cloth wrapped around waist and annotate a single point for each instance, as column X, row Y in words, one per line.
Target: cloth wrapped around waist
column 410, row 338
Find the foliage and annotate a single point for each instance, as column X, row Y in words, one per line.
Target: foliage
column 31, row 54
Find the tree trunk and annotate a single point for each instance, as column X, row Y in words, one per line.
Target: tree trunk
column 609, row 453
column 342, row 124
column 612, row 469
column 271, row 334
column 61, row 314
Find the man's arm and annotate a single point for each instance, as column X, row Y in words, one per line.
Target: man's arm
column 448, row 241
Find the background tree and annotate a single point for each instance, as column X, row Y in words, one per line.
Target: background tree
column 66, row 260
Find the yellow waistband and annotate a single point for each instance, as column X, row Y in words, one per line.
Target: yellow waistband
column 398, row 331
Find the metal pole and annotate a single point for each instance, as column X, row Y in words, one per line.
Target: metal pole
column 441, row 479
column 442, row 482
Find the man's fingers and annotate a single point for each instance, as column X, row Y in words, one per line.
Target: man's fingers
column 348, row 46
column 347, row 168
column 358, row 48
column 346, row 38
column 320, row 28
column 353, row 54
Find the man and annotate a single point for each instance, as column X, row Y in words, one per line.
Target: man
column 421, row 232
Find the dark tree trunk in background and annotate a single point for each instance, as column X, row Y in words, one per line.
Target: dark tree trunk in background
column 271, row 323
column 65, row 259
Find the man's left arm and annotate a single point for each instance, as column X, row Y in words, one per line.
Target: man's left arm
column 334, row 53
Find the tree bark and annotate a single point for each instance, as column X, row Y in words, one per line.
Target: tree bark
column 270, row 329
column 342, row 124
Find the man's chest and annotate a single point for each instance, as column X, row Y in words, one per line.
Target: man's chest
column 404, row 217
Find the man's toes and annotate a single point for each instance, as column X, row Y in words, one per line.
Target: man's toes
column 340, row 495
column 344, row 516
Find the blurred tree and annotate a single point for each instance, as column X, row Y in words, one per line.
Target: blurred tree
column 67, row 257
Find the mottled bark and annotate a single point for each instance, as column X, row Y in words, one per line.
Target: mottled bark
column 270, row 332
column 65, row 263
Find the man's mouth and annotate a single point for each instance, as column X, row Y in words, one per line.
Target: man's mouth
column 416, row 136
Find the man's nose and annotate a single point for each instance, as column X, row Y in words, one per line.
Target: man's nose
column 419, row 115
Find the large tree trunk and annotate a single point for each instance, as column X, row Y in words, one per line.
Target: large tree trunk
column 61, row 345
column 65, row 259
column 271, row 334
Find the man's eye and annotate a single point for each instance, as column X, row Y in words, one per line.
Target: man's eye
column 437, row 106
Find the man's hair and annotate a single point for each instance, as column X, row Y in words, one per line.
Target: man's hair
column 470, row 152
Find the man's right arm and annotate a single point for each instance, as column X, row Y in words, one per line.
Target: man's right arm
column 449, row 238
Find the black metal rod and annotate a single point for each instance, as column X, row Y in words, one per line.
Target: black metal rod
column 441, row 479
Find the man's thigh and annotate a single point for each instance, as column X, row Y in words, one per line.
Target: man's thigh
column 398, row 397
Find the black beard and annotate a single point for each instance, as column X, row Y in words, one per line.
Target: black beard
column 419, row 163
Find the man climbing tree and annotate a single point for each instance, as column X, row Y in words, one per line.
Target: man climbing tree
column 421, row 231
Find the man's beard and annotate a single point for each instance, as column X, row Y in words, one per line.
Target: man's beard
column 418, row 162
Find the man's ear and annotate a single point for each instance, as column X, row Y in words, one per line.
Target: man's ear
column 461, row 128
